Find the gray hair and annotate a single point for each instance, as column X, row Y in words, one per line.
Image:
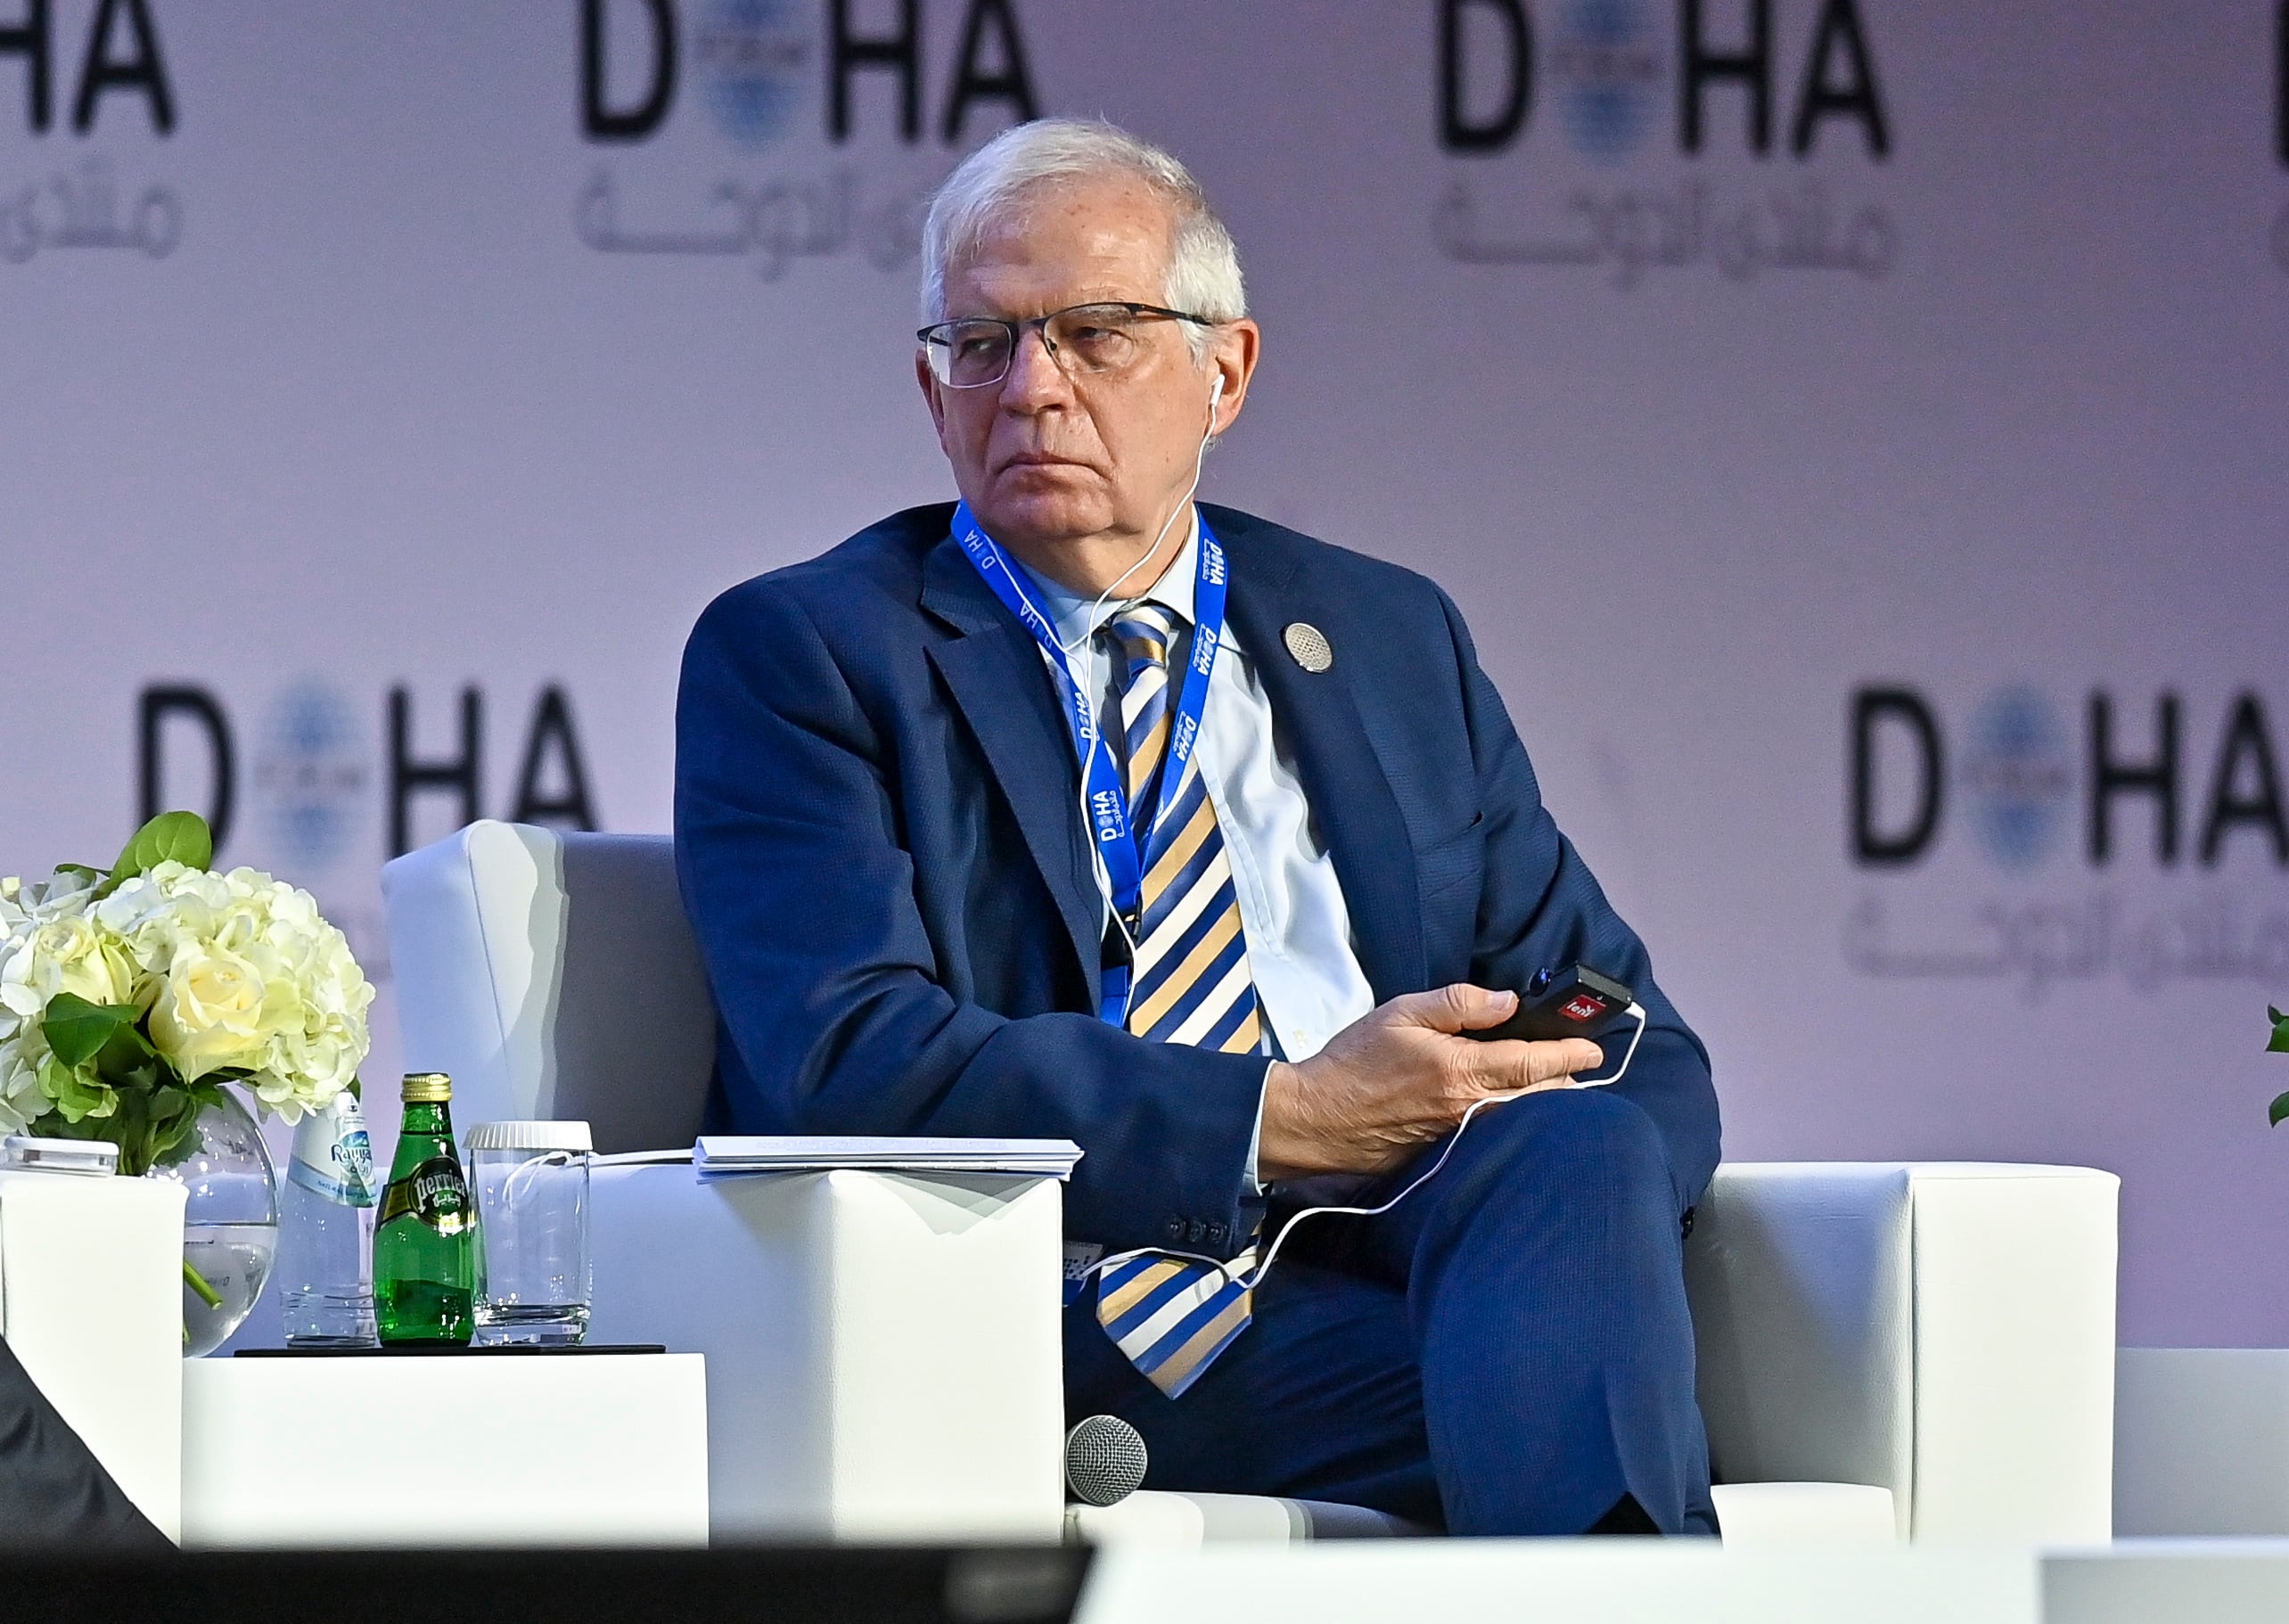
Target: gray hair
column 1204, row 275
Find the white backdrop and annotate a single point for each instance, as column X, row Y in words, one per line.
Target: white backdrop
column 375, row 371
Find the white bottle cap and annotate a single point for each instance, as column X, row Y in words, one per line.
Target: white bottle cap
column 572, row 1136
column 22, row 1153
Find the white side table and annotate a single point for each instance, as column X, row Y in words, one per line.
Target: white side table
column 91, row 1302
column 2202, row 1442
column 884, row 1350
column 486, row 1449
column 1566, row 1581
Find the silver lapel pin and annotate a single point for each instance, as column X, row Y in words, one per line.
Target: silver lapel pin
column 1308, row 645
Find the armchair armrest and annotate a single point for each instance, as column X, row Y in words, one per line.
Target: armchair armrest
column 1942, row 1330
column 884, row 1350
column 91, row 1304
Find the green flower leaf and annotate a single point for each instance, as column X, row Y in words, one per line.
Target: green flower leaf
column 170, row 1103
column 2280, row 1041
column 180, row 837
column 171, row 1146
column 78, row 1094
column 2280, row 1110
column 77, row 1030
column 174, row 1125
column 127, row 1061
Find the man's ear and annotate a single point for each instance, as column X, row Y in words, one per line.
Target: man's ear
column 928, row 380
column 1237, row 347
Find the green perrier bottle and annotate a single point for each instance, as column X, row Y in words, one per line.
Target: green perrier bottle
column 425, row 1243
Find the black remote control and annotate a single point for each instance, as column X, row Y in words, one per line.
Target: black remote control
column 1575, row 1002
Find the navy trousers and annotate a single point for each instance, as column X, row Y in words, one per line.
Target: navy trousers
column 56, row 1499
column 1508, row 1351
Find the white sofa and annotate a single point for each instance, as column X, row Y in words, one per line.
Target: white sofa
column 1907, row 1350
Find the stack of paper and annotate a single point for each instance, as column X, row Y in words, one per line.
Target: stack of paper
column 718, row 1154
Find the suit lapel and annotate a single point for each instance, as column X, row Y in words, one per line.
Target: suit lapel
column 994, row 671
column 1343, row 778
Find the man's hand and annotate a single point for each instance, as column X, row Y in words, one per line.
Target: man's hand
column 1398, row 1077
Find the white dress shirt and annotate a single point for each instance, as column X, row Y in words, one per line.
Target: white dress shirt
column 1301, row 950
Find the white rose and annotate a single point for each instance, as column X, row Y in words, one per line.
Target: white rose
column 209, row 1013
column 71, row 955
column 243, row 971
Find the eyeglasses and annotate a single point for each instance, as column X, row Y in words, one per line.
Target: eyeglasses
column 1095, row 339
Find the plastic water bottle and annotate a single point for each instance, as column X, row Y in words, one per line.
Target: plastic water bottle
column 325, row 1231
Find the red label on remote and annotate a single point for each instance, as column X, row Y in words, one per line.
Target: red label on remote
column 1582, row 1006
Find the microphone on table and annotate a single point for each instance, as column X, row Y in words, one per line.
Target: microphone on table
column 1104, row 1460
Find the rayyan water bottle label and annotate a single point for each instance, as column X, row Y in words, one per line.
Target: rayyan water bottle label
column 435, row 1192
column 333, row 1157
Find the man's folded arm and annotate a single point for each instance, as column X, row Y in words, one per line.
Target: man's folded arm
column 1541, row 906
column 802, row 899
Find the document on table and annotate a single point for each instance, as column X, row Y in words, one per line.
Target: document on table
column 718, row 1155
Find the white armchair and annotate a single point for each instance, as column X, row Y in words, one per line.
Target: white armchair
column 1922, row 1349
column 1942, row 1330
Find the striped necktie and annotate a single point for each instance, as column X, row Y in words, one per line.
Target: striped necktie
column 1190, row 984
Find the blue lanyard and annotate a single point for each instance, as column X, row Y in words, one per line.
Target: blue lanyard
column 1117, row 843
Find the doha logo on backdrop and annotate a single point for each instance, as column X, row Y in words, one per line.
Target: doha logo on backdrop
column 858, row 110
column 758, row 66
column 2142, row 841
column 1638, row 97
column 2026, row 786
column 317, row 774
column 1619, row 70
column 118, row 55
column 91, row 78
column 317, row 783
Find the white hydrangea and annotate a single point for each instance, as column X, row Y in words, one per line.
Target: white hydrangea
column 47, row 945
column 234, row 971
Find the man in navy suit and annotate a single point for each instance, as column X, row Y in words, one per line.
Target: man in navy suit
column 1081, row 810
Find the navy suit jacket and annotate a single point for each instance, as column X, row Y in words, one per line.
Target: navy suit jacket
column 879, row 842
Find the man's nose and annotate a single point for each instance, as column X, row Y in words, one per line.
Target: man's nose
column 1035, row 379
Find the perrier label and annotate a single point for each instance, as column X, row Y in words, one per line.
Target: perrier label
column 426, row 1241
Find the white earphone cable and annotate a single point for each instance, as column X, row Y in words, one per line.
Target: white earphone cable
column 1255, row 1277
column 1088, row 630
column 1264, row 1263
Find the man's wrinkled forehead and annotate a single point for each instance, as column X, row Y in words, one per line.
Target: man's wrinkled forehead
column 1093, row 237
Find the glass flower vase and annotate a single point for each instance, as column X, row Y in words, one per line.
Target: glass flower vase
column 230, row 1222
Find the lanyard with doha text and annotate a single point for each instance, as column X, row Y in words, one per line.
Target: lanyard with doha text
column 1119, row 843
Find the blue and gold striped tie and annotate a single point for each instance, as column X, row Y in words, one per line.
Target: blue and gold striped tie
column 1190, row 984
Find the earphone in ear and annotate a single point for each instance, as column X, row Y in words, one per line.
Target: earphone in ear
column 1215, row 394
